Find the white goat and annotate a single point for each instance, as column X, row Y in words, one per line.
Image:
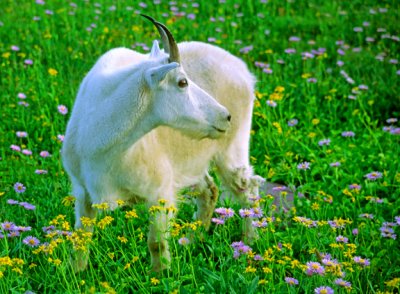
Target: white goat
column 145, row 126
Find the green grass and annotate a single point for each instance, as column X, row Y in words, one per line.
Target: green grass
column 63, row 50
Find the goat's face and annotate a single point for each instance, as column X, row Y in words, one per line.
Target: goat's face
column 179, row 103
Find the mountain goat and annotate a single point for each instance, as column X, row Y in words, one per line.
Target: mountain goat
column 145, row 126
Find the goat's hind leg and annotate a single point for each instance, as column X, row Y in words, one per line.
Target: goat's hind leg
column 207, row 196
column 83, row 208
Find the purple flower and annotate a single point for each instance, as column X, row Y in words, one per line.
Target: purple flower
column 314, row 268
column 335, row 225
column 27, row 206
column 335, row 164
column 26, row 152
column 387, row 232
column 312, row 80
column 12, row 201
column 361, row 261
column 304, row 165
column 19, row 188
column 62, row 109
column 294, row 39
column 348, row 134
column 40, row 171
column 291, row 281
column 290, row 51
column 60, row 138
column 44, row 154
column 246, row 49
column 391, row 120
column 355, row 187
column 324, row 290
column 366, row 215
column 31, row 241
column 8, row 226
column 358, row 29
column 21, row 134
column 373, row 176
column 397, row 219
column 28, row 61
column 267, row 70
column 13, row 234
column 340, row 63
column 21, row 96
column 246, row 213
column 363, row 87
column 257, row 212
column 324, row 142
column 342, row 283
column 271, row 103
column 15, row 148
column 183, row 241
column 355, row 231
column 342, row 239
column 260, row 223
column 225, row 212
column 14, row 48
column 292, row 122
column 218, row 221
column 48, row 229
column 240, row 248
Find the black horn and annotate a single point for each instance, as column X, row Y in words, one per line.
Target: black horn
column 168, row 40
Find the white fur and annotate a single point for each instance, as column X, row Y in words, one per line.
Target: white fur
column 135, row 135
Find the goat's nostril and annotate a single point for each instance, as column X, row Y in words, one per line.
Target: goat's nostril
column 229, row 117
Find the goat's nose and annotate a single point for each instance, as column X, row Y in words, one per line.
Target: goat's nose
column 229, row 117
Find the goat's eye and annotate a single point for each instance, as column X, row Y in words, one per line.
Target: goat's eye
column 182, row 83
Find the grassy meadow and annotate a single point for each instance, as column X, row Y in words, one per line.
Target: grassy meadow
column 325, row 126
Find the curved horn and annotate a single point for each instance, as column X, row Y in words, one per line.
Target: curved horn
column 168, row 40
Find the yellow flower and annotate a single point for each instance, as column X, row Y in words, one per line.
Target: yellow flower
column 162, row 201
column 6, row 55
column 68, row 200
column 315, row 206
column 315, row 121
column 52, row 71
column 262, row 282
column 278, row 127
column 105, row 221
column 128, row 265
column 88, row 221
column 155, row 281
column 122, row 239
column 267, row 270
column 306, row 75
column 279, row 89
column 131, row 214
column 395, row 283
column 111, row 255
column 250, row 269
column 120, row 202
column 101, row 206
column 311, row 135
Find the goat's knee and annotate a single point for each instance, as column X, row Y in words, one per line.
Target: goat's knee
column 206, row 200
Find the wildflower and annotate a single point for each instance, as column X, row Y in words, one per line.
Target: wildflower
column 387, row 231
column 304, row 165
column 342, row 239
column 312, row 80
column 8, row 226
column 184, row 241
column 122, row 239
column 240, row 248
column 348, row 134
column 260, row 223
column 28, row 61
column 373, row 176
column 366, row 215
column 324, row 142
column 155, row 281
column 218, row 221
column 225, row 212
column 131, row 214
column 324, row 290
column 361, row 261
column 13, row 234
column 245, row 213
column 12, row 201
column 52, row 72
column 27, row 206
column 44, row 154
column 391, row 120
column 31, row 241
column 62, row 109
column 19, row 188
column 397, row 218
column 257, row 212
column 26, row 152
column 258, row 257
column 60, row 138
column 21, row 96
column 40, row 171
column 293, row 122
column 395, row 283
column 21, row 134
column 291, row 281
column 294, row 39
column 355, row 187
column 314, row 268
column 335, row 164
column 271, row 103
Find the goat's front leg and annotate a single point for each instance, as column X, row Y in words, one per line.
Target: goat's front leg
column 157, row 242
column 206, row 200
column 83, row 208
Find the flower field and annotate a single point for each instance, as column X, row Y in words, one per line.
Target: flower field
column 325, row 128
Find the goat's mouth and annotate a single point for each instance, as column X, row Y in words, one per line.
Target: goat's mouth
column 219, row 130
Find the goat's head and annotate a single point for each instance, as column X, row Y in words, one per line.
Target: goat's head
column 177, row 101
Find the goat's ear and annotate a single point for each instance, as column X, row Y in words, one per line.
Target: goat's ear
column 155, row 50
column 155, row 75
